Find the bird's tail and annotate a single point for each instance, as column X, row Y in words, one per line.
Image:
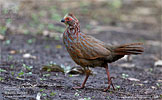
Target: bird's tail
column 128, row 49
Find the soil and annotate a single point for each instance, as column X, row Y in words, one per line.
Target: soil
column 58, row 86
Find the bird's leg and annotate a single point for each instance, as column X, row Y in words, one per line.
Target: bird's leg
column 109, row 79
column 87, row 72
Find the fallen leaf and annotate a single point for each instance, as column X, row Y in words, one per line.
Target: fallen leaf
column 38, row 96
column 81, row 99
column 117, row 86
column 45, row 33
column 148, row 91
column 7, row 42
column 75, row 70
column 145, row 81
column 139, row 84
column 124, row 75
column 12, row 52
column 159, row 80
column 153, row 87
column 58, row 46
column 28, row 55
column 53, row 68
column 2, row 70
column 158, row 63
column 133, row 79
column 66, row 68
column 78, row 70
column 127, row 65
column 2, row 37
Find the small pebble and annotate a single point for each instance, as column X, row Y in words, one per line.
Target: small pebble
column 158, row 63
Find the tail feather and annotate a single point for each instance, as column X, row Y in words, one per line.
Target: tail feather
column 129, row 49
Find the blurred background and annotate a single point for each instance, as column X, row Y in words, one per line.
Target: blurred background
column 31, row 36
column 37, row 16
column 42, row 17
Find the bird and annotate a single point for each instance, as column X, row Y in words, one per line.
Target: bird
column 89, row 52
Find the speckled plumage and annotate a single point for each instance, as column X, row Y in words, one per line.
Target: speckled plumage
column 88, row 51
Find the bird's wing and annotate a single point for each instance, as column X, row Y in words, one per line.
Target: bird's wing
column 89, row 47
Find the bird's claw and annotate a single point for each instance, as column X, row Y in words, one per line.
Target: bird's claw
column 110, row 84
column 78, row 87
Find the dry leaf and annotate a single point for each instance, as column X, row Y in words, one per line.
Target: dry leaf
column 13, row 52
column 158, row 63
column 75, row 70
column 78, row 70
column 133, row 79
column 127, row 65
column 2, row 37
column 53, row 68
column 153, row 87
column 58, row 46
column 38, row 96
column 139, row 84
column 46, row 33
column 159, row 80
column 28, row 55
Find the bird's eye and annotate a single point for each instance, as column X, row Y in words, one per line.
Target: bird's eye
column 67, row 18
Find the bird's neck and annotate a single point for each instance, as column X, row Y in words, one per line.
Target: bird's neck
column 73, row 29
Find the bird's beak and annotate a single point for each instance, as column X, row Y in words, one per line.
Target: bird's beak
column 63, row 20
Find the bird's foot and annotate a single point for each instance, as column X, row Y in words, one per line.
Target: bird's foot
column 110, row 84
column 107, row 88
column 78, row 87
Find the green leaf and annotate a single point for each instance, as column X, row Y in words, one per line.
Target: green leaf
column 12, row 66
column 52, row 94
column 30, row 41
column 1, row 78
column 70, row 75
column 124, row 75
column 46, row 75
column 21, row 73
column 7, row 42
column 29, row 73
column 27, row 67
column 12, row 73
column 2, row 70
column 47, row 46
column 42, row 79
column 41, row 90
column 76, row 94
column 117, row 86
column 3, row 29
column 10, row 57
column 44, row 94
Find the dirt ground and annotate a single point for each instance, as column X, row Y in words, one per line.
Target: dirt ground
column 28, row 46
column 58, row 86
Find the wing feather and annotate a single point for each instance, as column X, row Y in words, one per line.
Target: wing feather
column 91, row 48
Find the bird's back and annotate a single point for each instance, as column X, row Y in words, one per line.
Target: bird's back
column 86, row 50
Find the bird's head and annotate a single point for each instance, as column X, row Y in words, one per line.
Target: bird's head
column 69, row 19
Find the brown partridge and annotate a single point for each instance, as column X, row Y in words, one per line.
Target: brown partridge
column 88, row 51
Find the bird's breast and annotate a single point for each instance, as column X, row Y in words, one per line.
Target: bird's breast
column 70, row 42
